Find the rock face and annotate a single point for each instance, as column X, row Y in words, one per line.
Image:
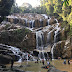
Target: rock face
column 52, row 21
column 5, row 59
column 7, row 53
column 30, row 41
column 63, row 50
column 67, row 53
column 30, row 31
column 16, row 37
column 31, row 20
column 58, row 49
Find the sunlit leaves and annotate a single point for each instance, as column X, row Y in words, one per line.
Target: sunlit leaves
column 66, row 2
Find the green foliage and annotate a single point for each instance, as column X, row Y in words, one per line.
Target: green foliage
column 14, row 36
column 66, row 2
column 70, row 18
column 7, row 25
column 70, row 32
column 5, row 7
column 15, row 9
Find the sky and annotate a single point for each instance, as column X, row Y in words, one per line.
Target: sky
column 32, row 2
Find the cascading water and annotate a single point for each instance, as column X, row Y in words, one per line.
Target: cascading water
column 41, row 44
column 55, row 37
column 52, row 51
column 49, row 38
column 57, row 31
column 39, row 40
column 33, row 23
column 49, row 20
column 16, row 51
column 25, row 22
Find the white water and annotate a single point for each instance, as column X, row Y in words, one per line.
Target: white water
column 52, row 52
column 17, row 52
column 40, row 34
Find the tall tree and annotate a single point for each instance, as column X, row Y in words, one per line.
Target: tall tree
column 5, row 7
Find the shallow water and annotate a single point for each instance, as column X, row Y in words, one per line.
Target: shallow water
column 36, row 67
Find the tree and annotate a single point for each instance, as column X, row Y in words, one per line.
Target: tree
column 5, row 7
column 15, row 9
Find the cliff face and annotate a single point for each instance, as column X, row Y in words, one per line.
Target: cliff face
column 35, row 31
column 18, row 38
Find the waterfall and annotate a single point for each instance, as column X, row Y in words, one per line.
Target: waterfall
column 16, row 51
column 55, row 38
column 41, row 23
column 39, row 40
column 25, row 21
column 46, row 17
column 49, row 38
column 27, row 57
column 52, row 50
column 49, row 20
column 33, row 23
column 57, row 31
column 39, row 44
column 41, row 55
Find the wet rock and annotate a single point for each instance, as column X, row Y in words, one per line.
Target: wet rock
column 58, row 49
column 45, row 38
column 45, row 22
column 30, row 42
column 5, row 69
column 48, row 66
column 15, row 57
column 52, row 21
column 35, row 53
column 37, row 23
column 52, row 69
column 5, row 59
column 67, row 53
column 52, row 36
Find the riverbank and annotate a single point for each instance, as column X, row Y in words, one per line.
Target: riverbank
column 37, row 67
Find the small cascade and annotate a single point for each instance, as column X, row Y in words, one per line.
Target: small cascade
column 39, row 40
column 27, row 56
column 49, row 20
column 52, row 50
column 16, row 51
column 41, row 55
column 33, row 23
column 49, row 38
column 25, row 22
column 56, row 32
column 39, row 44
column 46, row 17
column 41, row 23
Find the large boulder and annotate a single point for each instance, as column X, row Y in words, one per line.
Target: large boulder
column 58, row 49
column 67, row 53
column 5, row 59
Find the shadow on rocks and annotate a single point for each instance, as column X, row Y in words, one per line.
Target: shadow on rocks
column 53, row 69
